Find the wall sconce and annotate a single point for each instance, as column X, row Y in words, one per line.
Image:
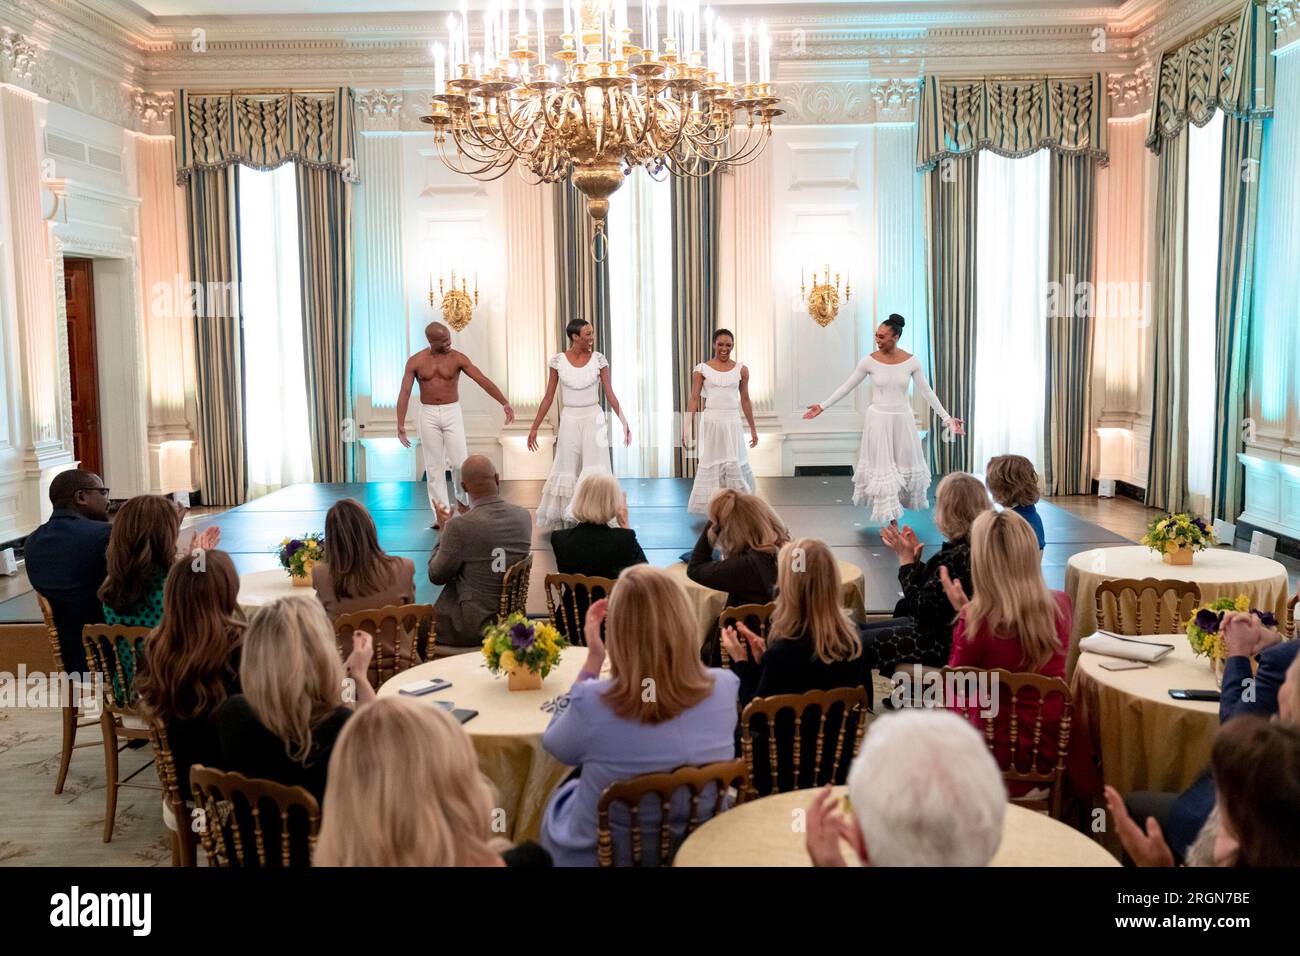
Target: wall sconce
column 457, row 305
column 824, row 299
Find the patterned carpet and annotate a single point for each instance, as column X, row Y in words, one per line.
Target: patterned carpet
column 38, row 828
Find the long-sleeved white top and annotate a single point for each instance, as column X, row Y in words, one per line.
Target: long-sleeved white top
column 889, row 385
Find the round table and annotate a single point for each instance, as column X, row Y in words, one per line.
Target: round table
column 707, row 603
column 507, row 733
column 1146, row 739
column 760, row 833
column 262, row 587
column 1218, row 572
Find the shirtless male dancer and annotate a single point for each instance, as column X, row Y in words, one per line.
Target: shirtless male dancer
column 440, row 424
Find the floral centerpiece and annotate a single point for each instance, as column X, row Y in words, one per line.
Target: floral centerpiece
column 299, row 555
column 1177, row 537
column 1205, row 636
column 523, row 649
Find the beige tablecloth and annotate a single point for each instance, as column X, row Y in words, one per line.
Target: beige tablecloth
column 507, row 733
column 763, row 833
column 262, row 587
column 707, row 603
column 1218, row 572
column 1146, row 739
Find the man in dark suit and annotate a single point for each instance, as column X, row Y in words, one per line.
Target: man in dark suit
column 1182, row 815
column 472, row 555
column 66, row 558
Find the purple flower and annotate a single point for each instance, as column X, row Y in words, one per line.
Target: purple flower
column 1267, row 618
column 292, row 546
column 521, row 637
column 1207, row 620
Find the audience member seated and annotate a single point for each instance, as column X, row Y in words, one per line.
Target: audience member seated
column 141, row 549
column 1256, row 772
column 594, row 547
column 293, row 706
column 66, row 559
column 357, row 575
column 921, row 629
column 748, row 534
column 1013, row 622
column 1273, row 689
column 811, row 644
column 659, row 709
column 405, row 789
column 191, row 663
column 1013, row 483
column 924, row 791
column 473, row 552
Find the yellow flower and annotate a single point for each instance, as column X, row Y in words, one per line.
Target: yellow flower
column 508, row 662
column 1243, row 602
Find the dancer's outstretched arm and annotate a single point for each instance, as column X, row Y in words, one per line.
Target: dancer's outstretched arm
column 485, row 383
column 613, row 403
column 922, row 386
column 853, row 382
column 552, row 381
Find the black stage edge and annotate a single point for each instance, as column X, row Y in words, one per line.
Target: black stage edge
column 912, row 909
column 812, row 506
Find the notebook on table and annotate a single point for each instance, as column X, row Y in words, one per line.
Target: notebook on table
column 1128, row 648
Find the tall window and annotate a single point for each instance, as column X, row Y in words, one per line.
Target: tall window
column 275, row 388
column 1010, row 311
column 1204, row 162
column 641, row 316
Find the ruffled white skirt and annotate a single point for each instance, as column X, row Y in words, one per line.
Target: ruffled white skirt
column 892, row 473
column 723, row 458
column 582, row 445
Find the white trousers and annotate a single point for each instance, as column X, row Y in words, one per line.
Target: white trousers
column 442, row 437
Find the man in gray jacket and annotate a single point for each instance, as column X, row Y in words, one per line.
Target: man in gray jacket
column 472, row 555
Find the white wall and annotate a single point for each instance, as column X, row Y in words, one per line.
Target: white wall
column 1123, row 353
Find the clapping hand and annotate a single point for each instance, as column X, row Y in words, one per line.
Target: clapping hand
column 902, row 542
column 363, row 649
column 207, row 539
column 953, row 588
column 1146, row 849
column 444, row 514
column 596, row 614
column 827, row 826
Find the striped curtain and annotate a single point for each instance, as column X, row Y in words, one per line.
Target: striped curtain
column 1167, row 470
column 695, row 291
column 1231, row 68
column 325, row 269
column 1012, row 117
column 950, row 208
column 1070, row 262
column 1243, row 143
column 582, row 287
column 218, row 370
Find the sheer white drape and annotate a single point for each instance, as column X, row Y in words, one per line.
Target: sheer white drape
column 275, row 390
column 1010, row 316
column 1275, row 339
column 1204, row 188
column 640, row 296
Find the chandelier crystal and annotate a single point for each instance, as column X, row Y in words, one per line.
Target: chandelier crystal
column 607, row 105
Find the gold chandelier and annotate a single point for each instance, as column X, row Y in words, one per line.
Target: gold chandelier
column 609, row 105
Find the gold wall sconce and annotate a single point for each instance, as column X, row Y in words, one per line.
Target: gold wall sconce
column 824, row 299
column 457, row 304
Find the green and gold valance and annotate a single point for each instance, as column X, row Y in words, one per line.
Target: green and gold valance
column 1012, row 117
column 1229, row 67
column 263, row 130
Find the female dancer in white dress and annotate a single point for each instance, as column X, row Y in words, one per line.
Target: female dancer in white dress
column 582, row 444
column 723, row 459
column 892, row 472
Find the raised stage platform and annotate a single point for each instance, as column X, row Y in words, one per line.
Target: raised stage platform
column 818, row 507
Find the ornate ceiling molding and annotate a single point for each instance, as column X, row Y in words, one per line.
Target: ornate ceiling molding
column 1131, row 93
